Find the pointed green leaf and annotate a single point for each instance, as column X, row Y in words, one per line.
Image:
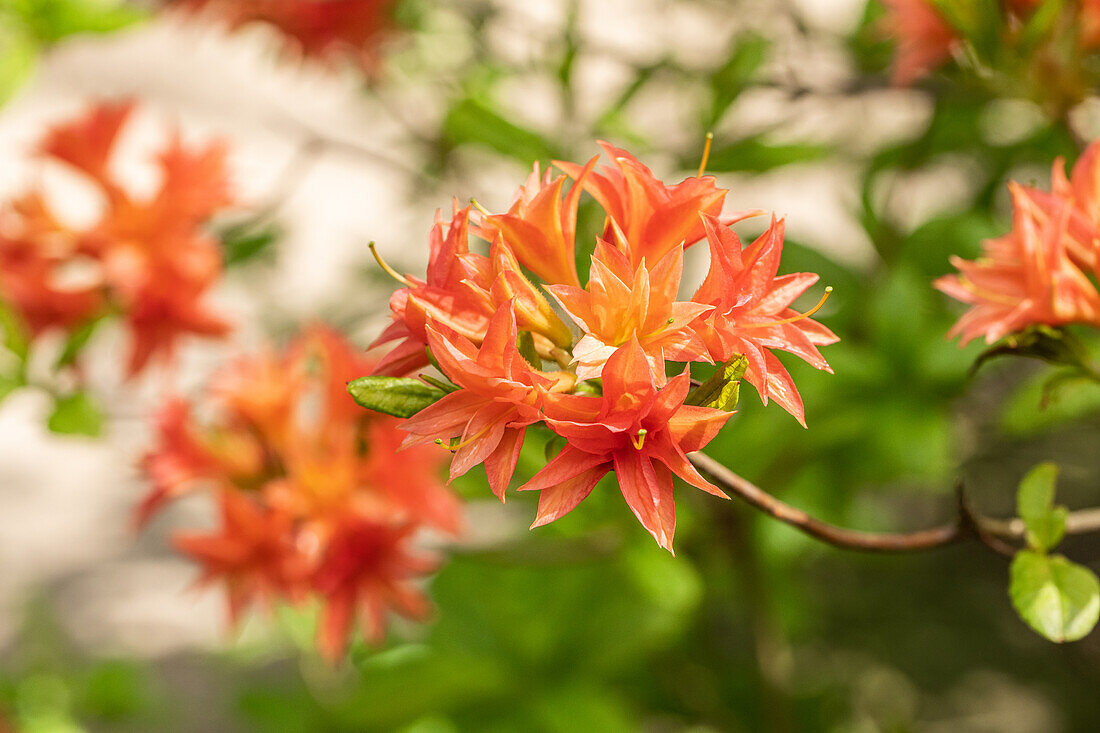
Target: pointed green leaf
column 473, row 121
column 1046, row 523
column 722, row 389
column 16, row 335
column 1057, row 598
column 1036, row 494
column 397, row 396
column 76, row 414
column 76, row 341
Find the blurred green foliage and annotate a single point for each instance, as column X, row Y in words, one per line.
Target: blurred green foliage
column 28, row 27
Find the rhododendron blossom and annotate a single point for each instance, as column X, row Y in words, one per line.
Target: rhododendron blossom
column 149, row 260
column 315, row 500
column 1024, row 278
column 513, row 364
column 929, row 32
column 320, row 28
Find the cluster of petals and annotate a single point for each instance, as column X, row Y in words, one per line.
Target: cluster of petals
column 314, row 502
column 525, row 342
column 146, row 259
column 926, row 39
column 1044, row 271
column 327, row 30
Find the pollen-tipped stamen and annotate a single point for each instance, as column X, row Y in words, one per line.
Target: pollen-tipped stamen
column 799, row 317
column 386, row 268
column 638, row 439
column 477, row 205
column 455, row 447
column 706, row 155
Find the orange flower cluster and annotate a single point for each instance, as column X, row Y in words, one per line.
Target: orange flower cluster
column 492, row 332
column 148, row 260
column 324, row 29
column 1045, row 270
column 926, row 37
column 314, row 501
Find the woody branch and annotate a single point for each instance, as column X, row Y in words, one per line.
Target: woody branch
column 967, row 526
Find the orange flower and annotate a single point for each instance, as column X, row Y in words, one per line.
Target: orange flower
column 253, row 554
column 654, row 217
column 641, row 432
column 321, row 28
column 1025, row 277
column 474, row 313
column 39, row 258
column 925, row 40
column 752, row 313
column 368, row 569
column 499, row 282
column 148, row 260
column 620, row 304
column 296, row 464
column 540, row 228
column 441, row 295
column 500, row 396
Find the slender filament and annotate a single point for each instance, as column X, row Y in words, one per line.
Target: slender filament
column 387, row 269
column 799, row 317
column 706, row 155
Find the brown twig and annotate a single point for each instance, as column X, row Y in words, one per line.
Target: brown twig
column 968, row 525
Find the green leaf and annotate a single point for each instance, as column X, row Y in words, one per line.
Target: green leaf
column 52, row 20
column 76, row 414
column 471, row 121
column 18, row 56
column 721, row 390
column 241, row 242
column 1057, row 598
column 748, row 54
column 8, row 384
column 77, row 339
column 1046, row 523
column 755, row 155
column 397, row 396
column 16, row 335
column 1036, row 495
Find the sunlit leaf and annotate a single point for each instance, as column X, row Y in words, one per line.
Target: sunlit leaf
column 1057, row 598
column 76, row 414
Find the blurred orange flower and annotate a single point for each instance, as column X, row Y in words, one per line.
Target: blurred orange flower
column 1024, row 278
column 147, row 260
column 320, row 28
column 315, row 499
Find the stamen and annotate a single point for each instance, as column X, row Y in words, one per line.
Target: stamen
column 561, row 356
column 387, row 269
column 799, row 317
column 706, row 155
column 477, row 205
column 454, row 447
column 638, row 440
column 989, row 295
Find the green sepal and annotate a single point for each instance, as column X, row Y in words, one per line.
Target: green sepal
column 721, row 391
column 397, row 396
column 445, row 386
column 1053, row 345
